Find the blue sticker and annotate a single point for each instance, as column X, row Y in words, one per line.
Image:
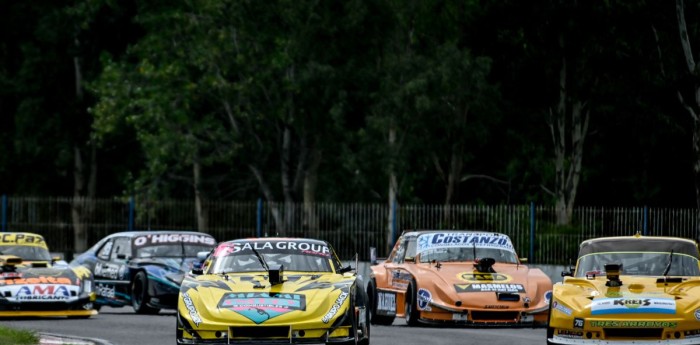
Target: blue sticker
column 424, row 298
column 548, row 296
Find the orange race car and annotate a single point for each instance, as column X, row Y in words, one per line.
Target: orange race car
column 457, row 277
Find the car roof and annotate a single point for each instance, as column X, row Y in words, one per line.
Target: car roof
column 261, row 239
column 411, row 233
column 155, row 232
column 639, row 243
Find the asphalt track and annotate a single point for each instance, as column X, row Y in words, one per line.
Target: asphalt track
column 123, row 327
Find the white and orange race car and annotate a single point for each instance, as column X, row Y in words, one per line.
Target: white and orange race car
column 457, row 277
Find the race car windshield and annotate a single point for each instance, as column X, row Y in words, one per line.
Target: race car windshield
column 171, row 250
column 639, row 264
column 28, row 253
column 467, row 254
column 248, row 262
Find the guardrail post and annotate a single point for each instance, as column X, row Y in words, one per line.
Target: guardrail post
column 258, row 226
column 4, row 213
column 131, row 214
column 532, row 232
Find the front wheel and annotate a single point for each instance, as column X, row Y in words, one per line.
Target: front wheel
column 550, row 330
column 411, row 310
column 139, row 295
column 373, row 296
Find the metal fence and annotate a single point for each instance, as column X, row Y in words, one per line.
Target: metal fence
column 351, row 228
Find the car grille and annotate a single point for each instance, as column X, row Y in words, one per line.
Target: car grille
column 509, row 316
column 646, row 333
column 260, row 332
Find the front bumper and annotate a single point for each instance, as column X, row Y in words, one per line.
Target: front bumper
column 439, row 314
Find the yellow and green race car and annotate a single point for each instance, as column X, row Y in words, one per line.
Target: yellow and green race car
column 272, row 290
column 629, row 290
column 32, row 283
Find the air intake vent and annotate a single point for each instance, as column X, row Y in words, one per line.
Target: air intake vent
column 634, row 333
column 510, row 297
column 260, row 332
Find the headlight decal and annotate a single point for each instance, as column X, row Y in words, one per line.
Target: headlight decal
column 336, row 306
column 194, row 315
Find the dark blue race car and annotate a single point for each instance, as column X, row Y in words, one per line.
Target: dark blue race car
column 144, row 269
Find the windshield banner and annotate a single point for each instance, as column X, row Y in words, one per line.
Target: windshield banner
column 463, row 240
column 304, row 247
column 155, row 239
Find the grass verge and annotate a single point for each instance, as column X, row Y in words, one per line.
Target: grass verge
column 17, row 336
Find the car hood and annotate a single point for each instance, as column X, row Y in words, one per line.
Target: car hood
column 454, row 283
column 636, row 295
column 250, row 299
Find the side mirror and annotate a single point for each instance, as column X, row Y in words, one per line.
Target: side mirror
column 345, row 269
column 566, row 274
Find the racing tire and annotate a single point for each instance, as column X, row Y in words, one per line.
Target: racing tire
column 411, row 311
column 373, row 297
column 139, row 295
column 368, row 324
column 550, row 330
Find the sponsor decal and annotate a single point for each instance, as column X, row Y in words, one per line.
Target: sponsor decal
column 565, row 333
column 697, row 314
column 423, row 299
column 562, row 308
column 496, row 306
column 10, row 275
column 25, row 239
column 635, row 324
column 605, row 306
column 497, row 287
column 462, row 239
column 194, row 315
column 151, row 239
column 548, row 296
column 36, row 280
column 260, row 307
column 44, row 292
column 106, row 291
column 484, row 277
column 578, row 323
column 300, row 246
column 386, row 303
column 81, row 272
column 107, row 270
column 336, row 306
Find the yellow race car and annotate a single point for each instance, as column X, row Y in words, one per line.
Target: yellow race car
column 629, row 290
column 32, row 283
column 272, row 290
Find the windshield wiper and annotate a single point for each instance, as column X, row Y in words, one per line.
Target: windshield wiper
column 668, row 266
column 260, row 258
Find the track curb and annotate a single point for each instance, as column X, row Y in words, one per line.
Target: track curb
column 61, row 339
